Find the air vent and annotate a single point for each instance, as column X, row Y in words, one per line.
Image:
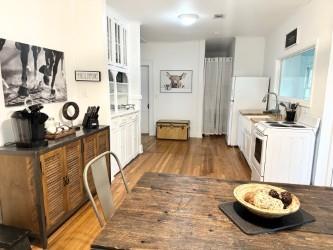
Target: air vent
column 218, row 16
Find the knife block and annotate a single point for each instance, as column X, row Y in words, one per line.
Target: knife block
column 90, row 122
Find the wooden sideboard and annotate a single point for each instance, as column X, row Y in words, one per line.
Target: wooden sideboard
column 41, row 188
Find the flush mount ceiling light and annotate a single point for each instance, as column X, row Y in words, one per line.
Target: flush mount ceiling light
column 188, row 19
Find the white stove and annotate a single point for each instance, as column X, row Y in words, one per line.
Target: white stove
column 283, row 151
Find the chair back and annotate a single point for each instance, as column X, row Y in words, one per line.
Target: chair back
column 99, row 169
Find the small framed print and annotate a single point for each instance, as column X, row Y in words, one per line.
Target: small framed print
column 291, row 38
column 87, row 76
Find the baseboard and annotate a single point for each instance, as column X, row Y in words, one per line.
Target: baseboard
column 140, row 149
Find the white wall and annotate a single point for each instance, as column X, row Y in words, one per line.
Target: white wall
column 315, row 24
column 76, row 27
column 178, row 56
column 248, row 56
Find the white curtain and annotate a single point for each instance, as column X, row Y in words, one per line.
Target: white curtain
column 218, row 78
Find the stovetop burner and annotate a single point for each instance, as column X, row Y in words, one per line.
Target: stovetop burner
column 291, row 123
column 283, row 124
column 279, row 125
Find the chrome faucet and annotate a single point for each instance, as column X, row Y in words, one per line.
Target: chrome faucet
column 277, row 107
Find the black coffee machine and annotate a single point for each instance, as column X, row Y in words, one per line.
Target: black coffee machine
column 29, row 127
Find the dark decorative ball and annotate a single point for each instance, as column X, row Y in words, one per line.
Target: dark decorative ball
column 274, row 194
column 286, row 199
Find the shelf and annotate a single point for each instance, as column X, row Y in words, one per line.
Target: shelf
column 122, row 94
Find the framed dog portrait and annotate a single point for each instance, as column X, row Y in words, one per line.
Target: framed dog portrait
column 176, row 81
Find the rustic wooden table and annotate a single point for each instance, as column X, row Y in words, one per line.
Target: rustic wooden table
column 166, row 211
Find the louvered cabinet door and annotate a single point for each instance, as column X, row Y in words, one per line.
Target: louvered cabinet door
column 73, row 166
column 89, row 153
column 103, row 142
column 103, row 145
column 53, row 174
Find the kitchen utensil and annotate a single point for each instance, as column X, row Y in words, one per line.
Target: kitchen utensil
column 241, row 190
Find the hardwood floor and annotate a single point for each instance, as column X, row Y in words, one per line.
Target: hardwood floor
column 197, row 157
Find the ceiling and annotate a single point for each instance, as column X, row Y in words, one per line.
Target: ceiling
column 159, row 18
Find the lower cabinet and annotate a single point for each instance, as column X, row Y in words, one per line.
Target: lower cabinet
column 41, row 188
column 245, row 136
column 125, row 141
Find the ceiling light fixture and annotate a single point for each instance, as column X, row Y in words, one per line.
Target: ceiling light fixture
column 188, row 19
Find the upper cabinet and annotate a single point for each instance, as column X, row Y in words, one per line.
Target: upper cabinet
column 117, row 43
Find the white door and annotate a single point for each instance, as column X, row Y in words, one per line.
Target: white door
column 145, row 99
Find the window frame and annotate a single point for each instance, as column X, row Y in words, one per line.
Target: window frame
column 302, row 102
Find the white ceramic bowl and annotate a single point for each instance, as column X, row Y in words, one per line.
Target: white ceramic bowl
column 241, row 190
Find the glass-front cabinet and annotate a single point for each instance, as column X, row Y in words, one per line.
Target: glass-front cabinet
column 118, row 86
column 117, row 43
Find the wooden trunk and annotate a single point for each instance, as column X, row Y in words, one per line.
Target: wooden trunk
column 173, row 129
column 41, row 188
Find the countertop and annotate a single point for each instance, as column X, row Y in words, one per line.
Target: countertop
column 123, row 113
column 257, row 113
column 52, row 143
column 251, row 112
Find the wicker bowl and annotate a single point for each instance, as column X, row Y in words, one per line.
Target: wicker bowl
column 241, row 190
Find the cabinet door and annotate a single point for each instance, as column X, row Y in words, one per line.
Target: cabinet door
column 103, row 145
column 103, row 142
column 53, row 173
column 136, row 136
column 89, row 153
column 124, row 46
column 116, row 148
column 123, row 142
column 73, row 166
column 130, row 141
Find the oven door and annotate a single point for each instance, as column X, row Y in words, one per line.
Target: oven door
column 258, row 152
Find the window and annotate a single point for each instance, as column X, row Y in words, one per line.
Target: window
column 296, row 75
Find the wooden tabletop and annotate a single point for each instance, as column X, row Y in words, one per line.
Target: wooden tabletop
column 166, row 211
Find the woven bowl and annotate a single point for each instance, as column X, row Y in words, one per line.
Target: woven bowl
column 241, row 190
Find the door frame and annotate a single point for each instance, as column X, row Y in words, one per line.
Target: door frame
column 323, row 163
column 151, row 101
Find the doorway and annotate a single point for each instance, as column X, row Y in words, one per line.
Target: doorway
column 145, row 99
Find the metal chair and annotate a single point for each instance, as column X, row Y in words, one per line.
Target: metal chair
column 102, row 183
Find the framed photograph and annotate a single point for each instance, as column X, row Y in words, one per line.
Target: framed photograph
column 176, row 81
column 87, row 76
column 31, row 71
column 291, row 38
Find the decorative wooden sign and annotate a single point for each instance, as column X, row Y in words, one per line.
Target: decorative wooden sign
column 87, row 76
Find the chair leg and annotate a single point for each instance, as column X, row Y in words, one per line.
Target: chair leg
column 121, row 171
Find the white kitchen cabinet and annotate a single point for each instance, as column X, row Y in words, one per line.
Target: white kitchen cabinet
column 245, row 136
column 125, row 139
column 117, row 43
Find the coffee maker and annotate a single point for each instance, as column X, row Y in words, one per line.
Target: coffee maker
column 29, row 127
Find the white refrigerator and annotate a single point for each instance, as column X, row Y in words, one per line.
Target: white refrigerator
column 245, row 93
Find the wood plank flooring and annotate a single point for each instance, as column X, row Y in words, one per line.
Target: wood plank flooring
column 197, row 157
